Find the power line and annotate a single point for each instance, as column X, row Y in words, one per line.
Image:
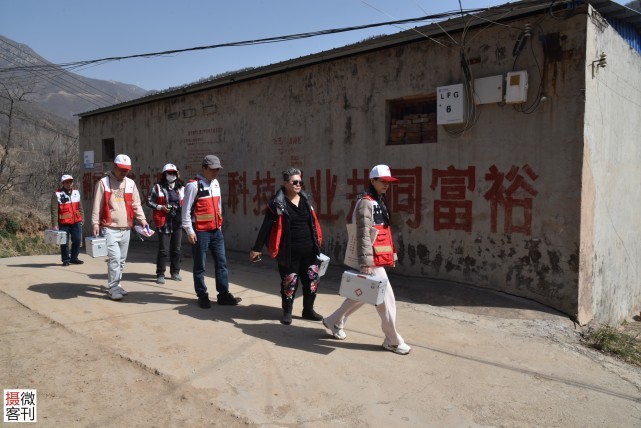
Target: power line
column 59, row 79
column 80, row 64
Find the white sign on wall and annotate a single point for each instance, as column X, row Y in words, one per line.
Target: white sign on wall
column 88, row 159
column 450, row 104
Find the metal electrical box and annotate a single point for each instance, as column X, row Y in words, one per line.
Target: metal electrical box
column 488, row 90
column 516, row 87
column 450, row 108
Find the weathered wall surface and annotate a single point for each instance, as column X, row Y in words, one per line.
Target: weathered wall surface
column 610, row 284
column 498, row 206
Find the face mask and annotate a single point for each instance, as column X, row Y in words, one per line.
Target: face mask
column 171, row 178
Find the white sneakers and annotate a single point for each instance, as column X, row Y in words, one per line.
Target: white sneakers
column 402, row 349
column 337, row 332
column 117, row 292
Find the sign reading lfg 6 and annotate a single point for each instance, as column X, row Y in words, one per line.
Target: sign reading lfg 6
column 451, row 104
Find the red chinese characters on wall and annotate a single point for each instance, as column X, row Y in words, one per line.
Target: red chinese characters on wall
column 89, row 181
column 510, row 195
column 144, row 184
column 453, row 210
column 265, row 189
column 404, row 196
column 323, row 191
column 513, row 192
column 238, row 191
column 357, row 184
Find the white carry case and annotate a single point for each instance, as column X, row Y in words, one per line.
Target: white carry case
column 96, row 247
column 363, row 288
column 324, row 262
column 55, row 237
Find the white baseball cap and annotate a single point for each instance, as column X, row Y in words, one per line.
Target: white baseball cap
column 123, row 161
column 383, row 173
column 169, row 167
column 65, row 178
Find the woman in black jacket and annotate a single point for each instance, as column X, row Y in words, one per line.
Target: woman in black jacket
column 293, row 235
column 165, row 199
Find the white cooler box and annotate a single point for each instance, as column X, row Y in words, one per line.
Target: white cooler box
column 96, row 247
column 363, row 288
column 55, row 237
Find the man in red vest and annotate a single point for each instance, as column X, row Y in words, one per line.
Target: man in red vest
column 116, row 205
column 202, row 220
column 67, row 216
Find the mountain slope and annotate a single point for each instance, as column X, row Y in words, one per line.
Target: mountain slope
column 52, row 88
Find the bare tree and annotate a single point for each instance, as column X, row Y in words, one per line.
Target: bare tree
column 35, row 150
column 10, row 98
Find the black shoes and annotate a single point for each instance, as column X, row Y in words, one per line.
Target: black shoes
column 223, row 299
column 203, row 301
column 311, row 314
column 228, row 299
column 65, row 263
column 76, row 262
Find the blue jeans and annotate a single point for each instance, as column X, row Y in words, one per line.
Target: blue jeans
column 74, row 236
column 213, row 241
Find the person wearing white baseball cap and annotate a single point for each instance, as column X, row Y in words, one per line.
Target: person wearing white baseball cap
column 166, row 199
column 371, row 211
column 67, row 216
column 116, row 205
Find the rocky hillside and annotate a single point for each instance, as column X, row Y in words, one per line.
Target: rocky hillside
column 52, row 88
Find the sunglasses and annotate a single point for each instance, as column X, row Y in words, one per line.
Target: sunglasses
column 297, row 182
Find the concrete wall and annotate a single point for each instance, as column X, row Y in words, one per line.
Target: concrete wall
column 509, row 189
column 610, row 284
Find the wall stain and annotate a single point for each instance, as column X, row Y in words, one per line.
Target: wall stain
column 573, row 260
column 411, row 253
column 400, row 250
column 348, row 131
column 555, row 259
column 423, row 254
column 438, row 261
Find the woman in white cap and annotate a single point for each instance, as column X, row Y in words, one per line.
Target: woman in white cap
column 166, row 199
column 371, row 211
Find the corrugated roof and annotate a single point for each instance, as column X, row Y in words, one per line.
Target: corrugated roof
column 505, row 12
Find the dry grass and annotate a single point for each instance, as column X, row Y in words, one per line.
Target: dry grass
column 21, row 233
column 624, row 343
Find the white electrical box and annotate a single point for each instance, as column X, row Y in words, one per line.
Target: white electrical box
column 488, row 90
column 450, row 108
column 516, row 87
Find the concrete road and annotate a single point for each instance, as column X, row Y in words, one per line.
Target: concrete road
column 479, row 358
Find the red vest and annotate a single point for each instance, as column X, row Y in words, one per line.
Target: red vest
column 68, row 207
column 383, row 247
column 160, row 217
column 207, row 208
column 277, row 232
column 105, row 218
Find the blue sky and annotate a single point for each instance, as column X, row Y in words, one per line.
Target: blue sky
column 79, row 30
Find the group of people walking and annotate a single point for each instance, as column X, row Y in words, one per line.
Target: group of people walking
column 290, row 230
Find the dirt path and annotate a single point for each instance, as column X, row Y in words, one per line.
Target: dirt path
column 81, row 384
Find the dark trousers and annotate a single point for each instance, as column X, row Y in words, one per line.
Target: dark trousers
column 74, row 235
column 214, row 242
column 303, row 268
column 169, row 247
